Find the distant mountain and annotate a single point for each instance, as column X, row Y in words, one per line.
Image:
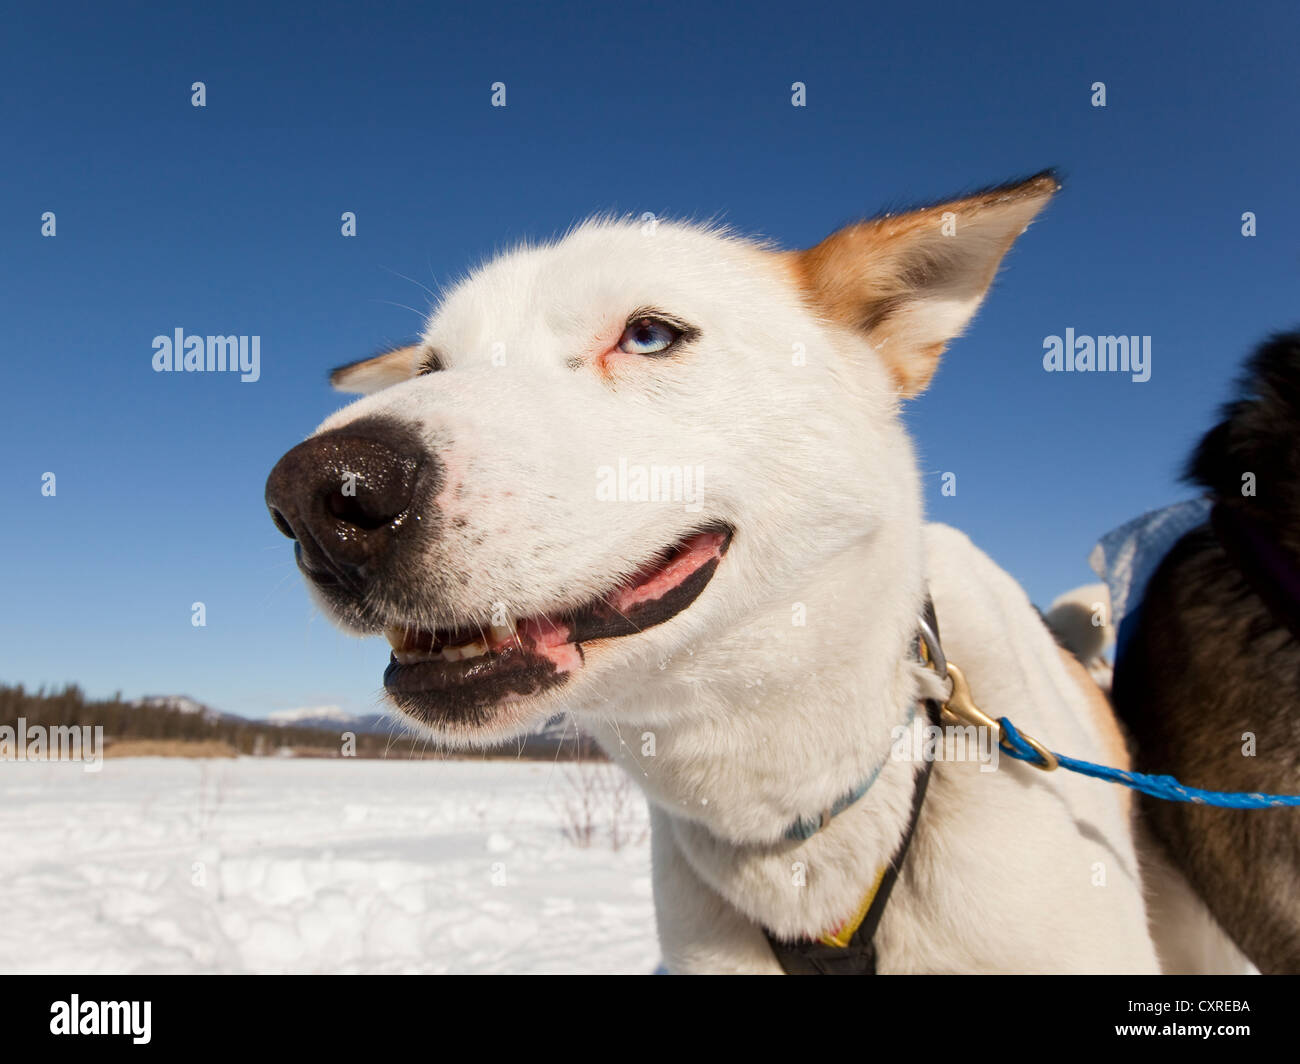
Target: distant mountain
column 333, row 718
column 177, row 723
column 557, row 737
column 184, row 704
column 324, row 718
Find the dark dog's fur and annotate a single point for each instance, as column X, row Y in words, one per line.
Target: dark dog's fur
column 1210, row 660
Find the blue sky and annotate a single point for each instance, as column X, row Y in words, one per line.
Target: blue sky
column 225, row 220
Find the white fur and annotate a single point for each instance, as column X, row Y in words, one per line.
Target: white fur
column 1081, row 620
column 757, row 720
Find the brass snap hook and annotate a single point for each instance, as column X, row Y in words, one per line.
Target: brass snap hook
column 961, row 706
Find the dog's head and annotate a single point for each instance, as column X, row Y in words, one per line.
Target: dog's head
column 606, row 450
column 1250, row 461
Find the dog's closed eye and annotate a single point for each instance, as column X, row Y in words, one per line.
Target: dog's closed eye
column 430, row 362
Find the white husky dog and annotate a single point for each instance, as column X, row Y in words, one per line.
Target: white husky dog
column 655, row 475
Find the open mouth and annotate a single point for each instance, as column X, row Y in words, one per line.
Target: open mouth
column 460, row 674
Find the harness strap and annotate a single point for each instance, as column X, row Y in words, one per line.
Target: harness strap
column 805, row 827
column 851, row 948
column 857, row 955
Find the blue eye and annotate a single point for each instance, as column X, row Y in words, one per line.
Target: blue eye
column 648, row 336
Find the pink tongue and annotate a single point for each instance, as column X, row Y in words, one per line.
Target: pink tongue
column 549, row 637
column 542, row 632
column 655, row 583
column 550, row 640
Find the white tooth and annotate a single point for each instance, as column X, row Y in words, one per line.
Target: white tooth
column 502, row 633
column 396, row 636
column 465, row 650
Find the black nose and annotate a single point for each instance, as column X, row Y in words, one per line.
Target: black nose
column 345, row 495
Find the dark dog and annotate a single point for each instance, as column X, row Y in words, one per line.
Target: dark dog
column 1208, row 679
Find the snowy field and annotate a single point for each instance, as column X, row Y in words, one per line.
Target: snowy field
column 270, row 865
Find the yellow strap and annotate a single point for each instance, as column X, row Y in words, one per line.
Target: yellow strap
column 844, row 933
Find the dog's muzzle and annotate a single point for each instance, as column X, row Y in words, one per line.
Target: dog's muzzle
column 359, row 503
column 347, row 498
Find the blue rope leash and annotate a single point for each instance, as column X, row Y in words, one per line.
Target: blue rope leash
column 1165, row 787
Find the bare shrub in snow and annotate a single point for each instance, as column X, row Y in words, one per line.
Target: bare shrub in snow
column 598, row 800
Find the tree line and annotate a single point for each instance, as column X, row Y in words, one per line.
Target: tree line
column 122, row 719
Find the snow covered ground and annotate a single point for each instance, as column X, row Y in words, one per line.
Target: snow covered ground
column 271, row 865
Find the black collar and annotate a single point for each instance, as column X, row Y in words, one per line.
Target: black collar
column 858, row 956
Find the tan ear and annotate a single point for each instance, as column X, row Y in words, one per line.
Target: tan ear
column 381, row 371
column 911, row 282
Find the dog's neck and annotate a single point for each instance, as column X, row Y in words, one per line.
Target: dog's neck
column 790, row 710
column 776, row 721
